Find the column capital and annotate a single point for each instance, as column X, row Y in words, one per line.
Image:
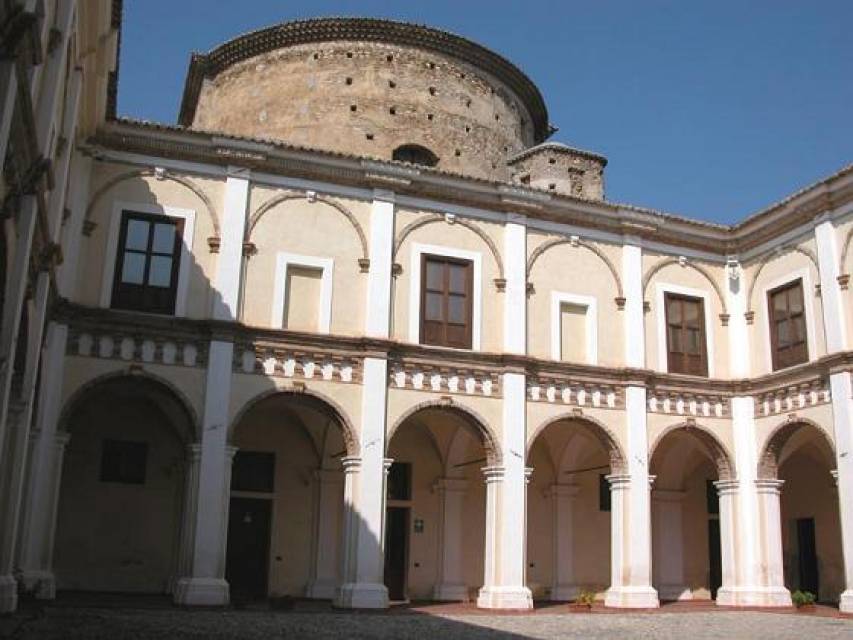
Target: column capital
column 619, row 481
column 493, row 474
column 834, row 474
column 769, row 486
column 386, row 464
column 230, row 451
column 528, row 473
column 351, row 464
column 726, row 487
column 194, row 451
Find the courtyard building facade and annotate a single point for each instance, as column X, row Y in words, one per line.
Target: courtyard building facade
column 356, row 329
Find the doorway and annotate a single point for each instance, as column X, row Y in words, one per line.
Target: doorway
column 807, row 556
column 247, row 559
column 396, row 551
column 715, row 560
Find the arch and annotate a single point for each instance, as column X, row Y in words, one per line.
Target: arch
column 337, row 206
column 488, row 438
column 702, row 270
column 720, row 454
column 844, row 249
column 435, row 217
column 606, row 437
column 159, row 175
column 768, row 458
column 158, row 382
column 312, row 399
column 415, row 154
column 554, row 242
column 766, row 259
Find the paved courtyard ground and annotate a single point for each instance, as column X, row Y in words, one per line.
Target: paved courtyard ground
column 140, row 619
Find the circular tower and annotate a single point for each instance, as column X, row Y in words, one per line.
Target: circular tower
column 369, row 87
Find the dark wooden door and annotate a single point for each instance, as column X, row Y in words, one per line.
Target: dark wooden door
column 396, row 551
column 715, row 560
column 247, row 559
column 807, row 554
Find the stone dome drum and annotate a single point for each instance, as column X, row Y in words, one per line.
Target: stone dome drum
column 368, row 87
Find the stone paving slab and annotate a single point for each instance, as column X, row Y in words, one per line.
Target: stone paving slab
column 119, row 623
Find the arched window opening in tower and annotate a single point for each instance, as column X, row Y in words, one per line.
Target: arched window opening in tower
column 415, row 154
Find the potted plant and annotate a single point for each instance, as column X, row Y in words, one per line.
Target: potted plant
column 584, row 601
column 803, row 600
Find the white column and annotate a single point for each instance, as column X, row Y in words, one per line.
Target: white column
column 363, row 585
column 188, row 519
column 634, row 588
column 352, row 468
column 668, row 509
column 206, row 584
column 451, row 580
column 327, row 540
column 770, row 515
column 493, row 477
column 727, row 490
column 620, row 486
column 8, row 95
column 563, row 498
column 508, row 590
column 834, row 321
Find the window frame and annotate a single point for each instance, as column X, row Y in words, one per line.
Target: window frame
column 661, row 289
column 771, row 323
column 111, row 255
column 285, row 260
column 670, row 360
column 415, row 291
column 468, row 265
column 804, row 274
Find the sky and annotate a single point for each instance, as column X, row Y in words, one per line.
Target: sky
column 712, row 110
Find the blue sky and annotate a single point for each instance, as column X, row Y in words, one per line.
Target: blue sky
column 707, row 109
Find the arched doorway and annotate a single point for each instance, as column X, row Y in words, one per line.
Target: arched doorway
column 796, row 472
column 688, row 464
column 123, row 485
column 286, row 507
column 435, row 522
column 569, row 508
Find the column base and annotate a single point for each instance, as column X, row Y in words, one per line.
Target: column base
column 42, row 584
column 753, row 597
column 674, row 592
column 362, row 595
column 8, row 594
column 565, row 592
column 845, row 603
column 202, row 592
column 632, row 598
column 321, row 590
column 518, row 598
column 450, row 593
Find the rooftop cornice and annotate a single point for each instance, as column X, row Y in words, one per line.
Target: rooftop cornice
column 288, row 34
column 277, row 158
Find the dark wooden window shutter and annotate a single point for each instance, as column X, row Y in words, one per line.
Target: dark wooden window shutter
column 685, row 335
column 446, row 301
column 786, row 312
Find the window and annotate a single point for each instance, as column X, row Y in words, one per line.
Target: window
column 787, row 325
column 603, row 492
column 446, row 294
column 146, row 274
column 415, row 154
column 685, row 335
column 302, row 298
column 123, row 461
column 253, row 471
column 400, row 481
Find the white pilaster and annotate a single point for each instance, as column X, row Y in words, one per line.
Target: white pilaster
column 563, row 498
column 230, row 262
column 830, row 293
column 327, row 540
column 842, row 413
column 668, row 510
column 378, row 309
column 633, row 315
column 364, row 586
column 190, row 512
column 515, row 293
column 620, row 486
column 72, row 230
column 451, row 581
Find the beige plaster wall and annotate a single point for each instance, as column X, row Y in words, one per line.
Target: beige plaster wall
column 576, row 270
column 686, row 276
column 316, row 229
column 820, row 416
column 660, row 425
column 541, row 414
column 149, row 190
column 777, row 270
column 843, row 234
column 453, row 236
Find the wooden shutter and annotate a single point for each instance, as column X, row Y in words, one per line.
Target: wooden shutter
column 786, row 312
column 685, row 335
column 446, row 301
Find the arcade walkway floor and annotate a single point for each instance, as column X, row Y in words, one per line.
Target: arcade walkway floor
column 132, row 618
